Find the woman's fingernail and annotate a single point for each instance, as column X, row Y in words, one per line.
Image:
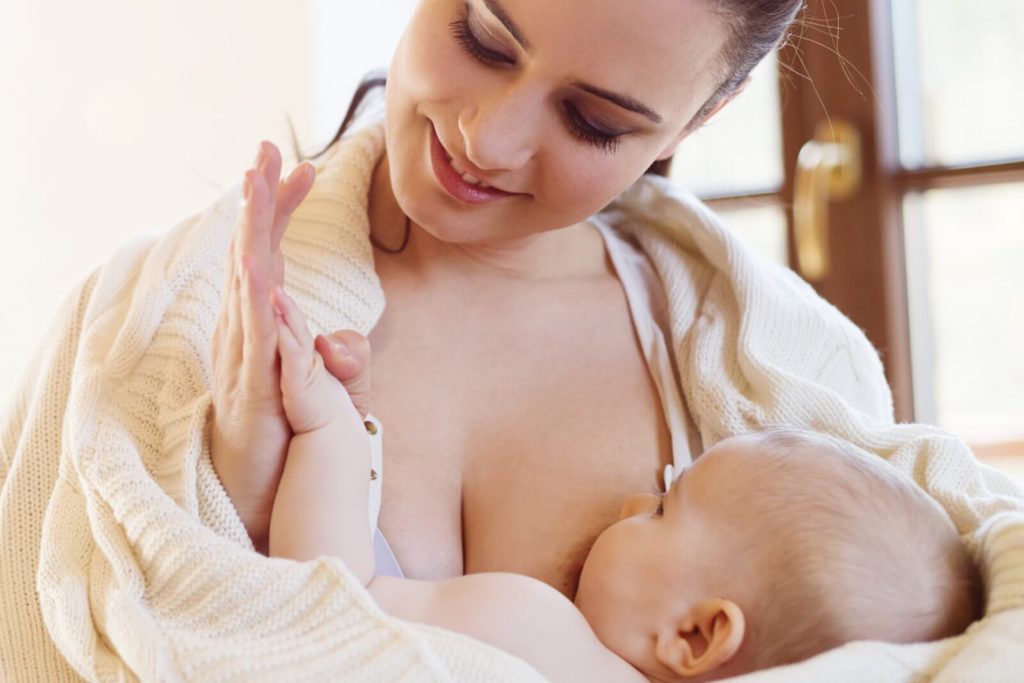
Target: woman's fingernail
column 246, row 189
column 299, row 172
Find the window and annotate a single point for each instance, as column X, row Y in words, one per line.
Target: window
column 928, row 255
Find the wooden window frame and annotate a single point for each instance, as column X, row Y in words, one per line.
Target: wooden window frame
column 868, row 276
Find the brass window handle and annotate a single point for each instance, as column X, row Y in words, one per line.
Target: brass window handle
column 828, row 168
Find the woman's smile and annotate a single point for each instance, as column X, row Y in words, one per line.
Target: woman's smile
column 462, row 186
column 563, row 124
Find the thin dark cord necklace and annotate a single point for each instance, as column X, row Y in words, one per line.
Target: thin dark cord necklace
column 401, row 248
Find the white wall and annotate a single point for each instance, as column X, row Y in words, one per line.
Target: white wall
column 120, row 118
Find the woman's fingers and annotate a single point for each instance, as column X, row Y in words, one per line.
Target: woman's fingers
column 259, row 333
column 220, row 327
column 231, row 348
column 290, row 194
column 255, row 267
column 258, row 213
column 259, row 262
column 284, row 196
column 268, row 160
column 253, row 238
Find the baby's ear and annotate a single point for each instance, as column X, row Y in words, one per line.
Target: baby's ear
column 702, row 640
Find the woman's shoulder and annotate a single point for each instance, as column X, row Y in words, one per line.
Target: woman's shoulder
column 711, row 275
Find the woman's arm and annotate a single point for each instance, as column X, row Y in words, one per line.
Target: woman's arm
column 323, row 496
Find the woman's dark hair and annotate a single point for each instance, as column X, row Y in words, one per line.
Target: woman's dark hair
column 370, row 81
column 756, row 27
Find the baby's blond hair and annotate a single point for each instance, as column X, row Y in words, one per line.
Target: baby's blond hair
column 843, row 547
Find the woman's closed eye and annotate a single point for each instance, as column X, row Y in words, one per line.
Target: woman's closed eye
column 578, row 124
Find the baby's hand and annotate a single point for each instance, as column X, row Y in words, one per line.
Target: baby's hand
column 312, row 397
column 346, row 355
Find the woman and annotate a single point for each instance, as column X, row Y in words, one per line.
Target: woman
column 520, row 353
column 578, row 355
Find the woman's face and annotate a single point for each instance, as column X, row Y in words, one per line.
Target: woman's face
column 563, row 104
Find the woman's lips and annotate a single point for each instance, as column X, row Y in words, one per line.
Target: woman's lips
column 452, row 181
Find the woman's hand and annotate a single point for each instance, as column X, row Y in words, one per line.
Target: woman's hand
column 250, row 433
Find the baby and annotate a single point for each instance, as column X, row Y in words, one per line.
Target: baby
column 769, row 549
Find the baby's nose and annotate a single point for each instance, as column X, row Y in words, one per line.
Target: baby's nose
column 635, row 505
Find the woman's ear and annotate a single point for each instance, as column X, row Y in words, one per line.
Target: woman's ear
column 704, row 639
column 670, row 148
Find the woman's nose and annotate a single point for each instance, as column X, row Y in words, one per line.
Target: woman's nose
column 634, row 505
column 498, row 132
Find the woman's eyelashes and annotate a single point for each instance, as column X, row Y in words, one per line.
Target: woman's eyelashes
column 578, row 125
column 588, row 133
column 464, row 34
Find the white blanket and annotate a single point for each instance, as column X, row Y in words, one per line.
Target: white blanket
column 123, row 559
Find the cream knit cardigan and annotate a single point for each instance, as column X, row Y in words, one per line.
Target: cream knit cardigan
column 123, row 559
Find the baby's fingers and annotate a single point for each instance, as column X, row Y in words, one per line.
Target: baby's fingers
column 286, row 307
column 296, row 356
column 294, row 365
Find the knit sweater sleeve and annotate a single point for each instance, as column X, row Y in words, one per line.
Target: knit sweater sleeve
column 30, row 446
column 854, row 369
column 31, row 383
column 126, row 558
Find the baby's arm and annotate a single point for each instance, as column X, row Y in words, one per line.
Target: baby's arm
column 320, row 509
column 518, row 614
column 322, row 499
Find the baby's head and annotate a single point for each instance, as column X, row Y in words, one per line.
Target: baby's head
column 771, row 548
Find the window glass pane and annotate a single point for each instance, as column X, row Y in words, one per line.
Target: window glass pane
column 965, row 276
column 762, row 226
column 952, row 56
column 740, row 149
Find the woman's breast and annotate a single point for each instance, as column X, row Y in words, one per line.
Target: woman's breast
column 510, row 444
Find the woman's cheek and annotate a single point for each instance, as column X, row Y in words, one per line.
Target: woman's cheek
column 592, row 180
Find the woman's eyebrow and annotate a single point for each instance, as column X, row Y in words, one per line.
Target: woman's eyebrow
column 624, row 101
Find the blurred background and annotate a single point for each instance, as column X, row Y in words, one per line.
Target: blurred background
column 122, row 118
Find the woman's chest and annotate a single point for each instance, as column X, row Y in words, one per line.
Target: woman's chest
column 513, row 429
